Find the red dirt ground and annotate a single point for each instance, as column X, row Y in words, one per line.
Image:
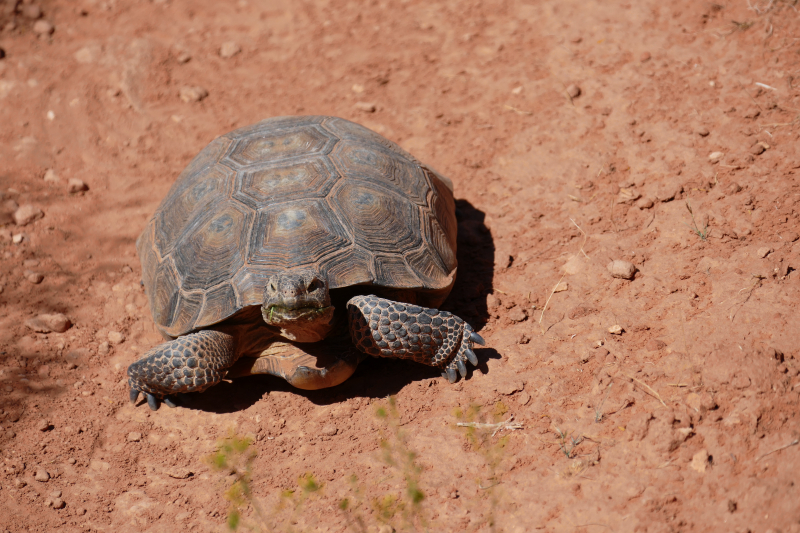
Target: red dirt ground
column 697, row 399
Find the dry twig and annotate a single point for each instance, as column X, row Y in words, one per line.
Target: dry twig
column 795, row 442
column 647, row 388
column 499, row 426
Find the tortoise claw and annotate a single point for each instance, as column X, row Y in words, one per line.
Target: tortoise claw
column 452, row 377
column 477, row 339
column 152, row 402
column 462, row 368
column 134, row 395
column 169, row 401
column 471, row 357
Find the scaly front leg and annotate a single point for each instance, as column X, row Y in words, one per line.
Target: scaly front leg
column 384, row 328
column 191, row 363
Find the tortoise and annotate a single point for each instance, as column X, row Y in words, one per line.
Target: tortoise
column 296, row 247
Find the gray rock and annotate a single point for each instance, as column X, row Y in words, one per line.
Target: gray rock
column 47, row 323
column 76, row 185
column 622, row 269
column 41, row 475
column 27, row 214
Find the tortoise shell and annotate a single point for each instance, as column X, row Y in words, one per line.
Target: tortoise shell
column 293, row 192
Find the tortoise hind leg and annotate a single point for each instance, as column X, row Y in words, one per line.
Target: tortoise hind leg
column 384, row 328
column 191, row 363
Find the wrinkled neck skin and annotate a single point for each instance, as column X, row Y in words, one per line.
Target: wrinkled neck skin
column 298, row 304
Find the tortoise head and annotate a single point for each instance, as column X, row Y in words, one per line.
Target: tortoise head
column 298, row 302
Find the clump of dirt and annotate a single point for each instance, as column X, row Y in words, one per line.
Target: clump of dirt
column 578, row 134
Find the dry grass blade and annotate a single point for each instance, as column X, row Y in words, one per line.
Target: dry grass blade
column 517, row 111
column 795, row 442
column 585, row 238
column 548, row 300
column 499, row 426
column 647, row 388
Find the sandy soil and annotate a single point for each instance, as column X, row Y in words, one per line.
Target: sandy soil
column 686, row 421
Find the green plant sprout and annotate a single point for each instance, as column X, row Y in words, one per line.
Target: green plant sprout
column 703, row 234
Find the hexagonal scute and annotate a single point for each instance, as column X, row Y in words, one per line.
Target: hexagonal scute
column 220, row 303
column 344, row 129
column 192, row 196
column 186, row 310
column 273, row 146
column 379, row 220
column 163, row 294
column 311, row 177
column 370, row 163
column 352, row 266
column 295, row 233
column 212, row 248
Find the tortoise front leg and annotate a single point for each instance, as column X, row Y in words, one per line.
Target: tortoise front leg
column 384, row 328
column 191, row 363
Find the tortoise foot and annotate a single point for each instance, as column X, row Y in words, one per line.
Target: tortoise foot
column 191, row 363
column 384, row 328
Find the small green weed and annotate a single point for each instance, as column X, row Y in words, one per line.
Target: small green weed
column 567, row 449
column 702, row 233
column 404, row 510
column 480, row 435
column 235, row 457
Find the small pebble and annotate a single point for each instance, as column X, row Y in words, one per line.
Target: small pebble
column 18, row 238
column 50, row 176
column 366, row 107
column 644, row 57
column 41, row 475
column 31, row 11
column 134, row 436
column 46, row 323
column 758, row 149
column 763, row 252
column 561, row 287
column 329, row 430
column 622, row 269
column 19, row 483
column 116, row 337
column 703, row 131
column 616, row 329
column 72, row 460
column 44, row 425
column 55, row 503
column 192, row 94
column 644, row 203
column 653, row 345
column 714, row 157
column 733, row 188
column 104, row 348
column 55, row 494
column 27, row 214
column 33, row 277
column 42, row 27
column 700, row 461
column 573, row 91
column 229, row 49
column 76, row 185
column 184, row 57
